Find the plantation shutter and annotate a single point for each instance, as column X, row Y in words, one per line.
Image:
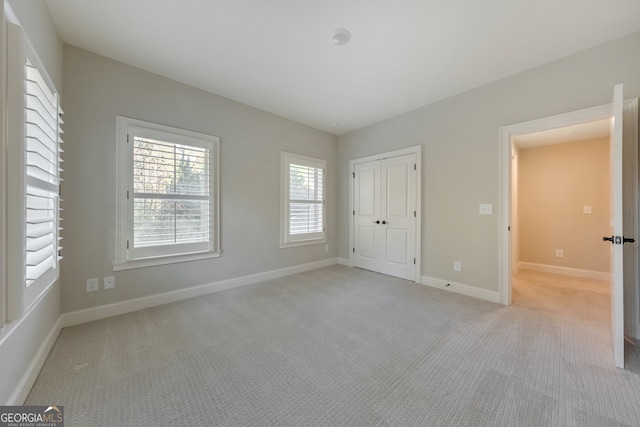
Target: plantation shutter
column 305, row 199
column 42, row 176
column 303, row 206
column 171, row 198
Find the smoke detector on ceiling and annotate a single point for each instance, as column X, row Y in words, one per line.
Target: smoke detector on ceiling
column 340, row 37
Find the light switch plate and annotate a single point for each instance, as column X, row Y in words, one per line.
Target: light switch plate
column 586, row 210
column 486, row 209
column 92, row 285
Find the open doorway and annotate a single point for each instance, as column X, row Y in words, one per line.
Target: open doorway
column 560, row 196
column 630, row 199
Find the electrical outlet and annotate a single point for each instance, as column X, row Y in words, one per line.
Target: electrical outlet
column 109, row 282
column 457, row 266
column 559, row 253
column 326, row 248
column 92, row 285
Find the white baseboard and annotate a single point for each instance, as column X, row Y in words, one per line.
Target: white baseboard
column 27, row 380
column 565, row 271
column 108, row 310
column 459, row 288
column 345, row 261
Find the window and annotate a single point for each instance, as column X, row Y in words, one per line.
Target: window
column 303, row 206
column 168, row 195
column 34, row 149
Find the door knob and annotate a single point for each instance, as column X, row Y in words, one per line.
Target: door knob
column 376, row 222
column 607, row 239
column 628, row 240
column 384, row 222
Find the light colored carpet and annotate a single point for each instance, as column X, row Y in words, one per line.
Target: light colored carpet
column 346, row 347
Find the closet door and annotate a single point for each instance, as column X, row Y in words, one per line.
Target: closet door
column 367, row 213
column 384, row 216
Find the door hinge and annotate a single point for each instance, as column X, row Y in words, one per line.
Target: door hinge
column 354, row 174
column 354, row 212
column 414, row 260
column 127, row 138
column 509, row 228
column 354, row 250
column 414, row 214
column 127, row 194
column 127, row 244
column 414, row 167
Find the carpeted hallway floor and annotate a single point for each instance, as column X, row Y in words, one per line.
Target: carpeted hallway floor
column 342, row 346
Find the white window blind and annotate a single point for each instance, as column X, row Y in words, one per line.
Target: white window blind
column 303, row 200
column 168, row 195
column 42, row 177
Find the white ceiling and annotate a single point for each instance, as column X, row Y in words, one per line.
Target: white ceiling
column 276, row 55
column 579, row 132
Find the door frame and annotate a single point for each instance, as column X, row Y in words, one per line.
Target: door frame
column 417, row 150
column 506, row 147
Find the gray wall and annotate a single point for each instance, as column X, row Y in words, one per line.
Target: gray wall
column 96, row 89
column 459, row 136
column 21, row 339
column 36, row 20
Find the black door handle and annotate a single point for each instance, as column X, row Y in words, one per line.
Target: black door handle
column 376, row 222
column 618, row 240
column 384, row 222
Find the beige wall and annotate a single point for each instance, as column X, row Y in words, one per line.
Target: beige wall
column 96, row 89
column 459, row 136
column 555, row 182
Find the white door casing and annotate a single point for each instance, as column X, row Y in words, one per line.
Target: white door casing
column 385, row 215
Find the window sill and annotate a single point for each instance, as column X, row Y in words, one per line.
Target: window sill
column 172, row 259
column 302, row 243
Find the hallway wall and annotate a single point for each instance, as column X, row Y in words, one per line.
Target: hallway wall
column 555, row 183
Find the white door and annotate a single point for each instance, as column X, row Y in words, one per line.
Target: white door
column 385, row 216
column 616, row 238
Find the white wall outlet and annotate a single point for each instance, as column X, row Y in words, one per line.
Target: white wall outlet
column 109, row 282
column 457, row 266
column 326, row 248
column 559, row 253
column 586, row 210
column 92, row 285
column 486, row 209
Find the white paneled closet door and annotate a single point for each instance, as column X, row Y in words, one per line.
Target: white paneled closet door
column 385, row 216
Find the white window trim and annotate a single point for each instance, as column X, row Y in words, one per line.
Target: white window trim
column 124, row 227
column 286, row 240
